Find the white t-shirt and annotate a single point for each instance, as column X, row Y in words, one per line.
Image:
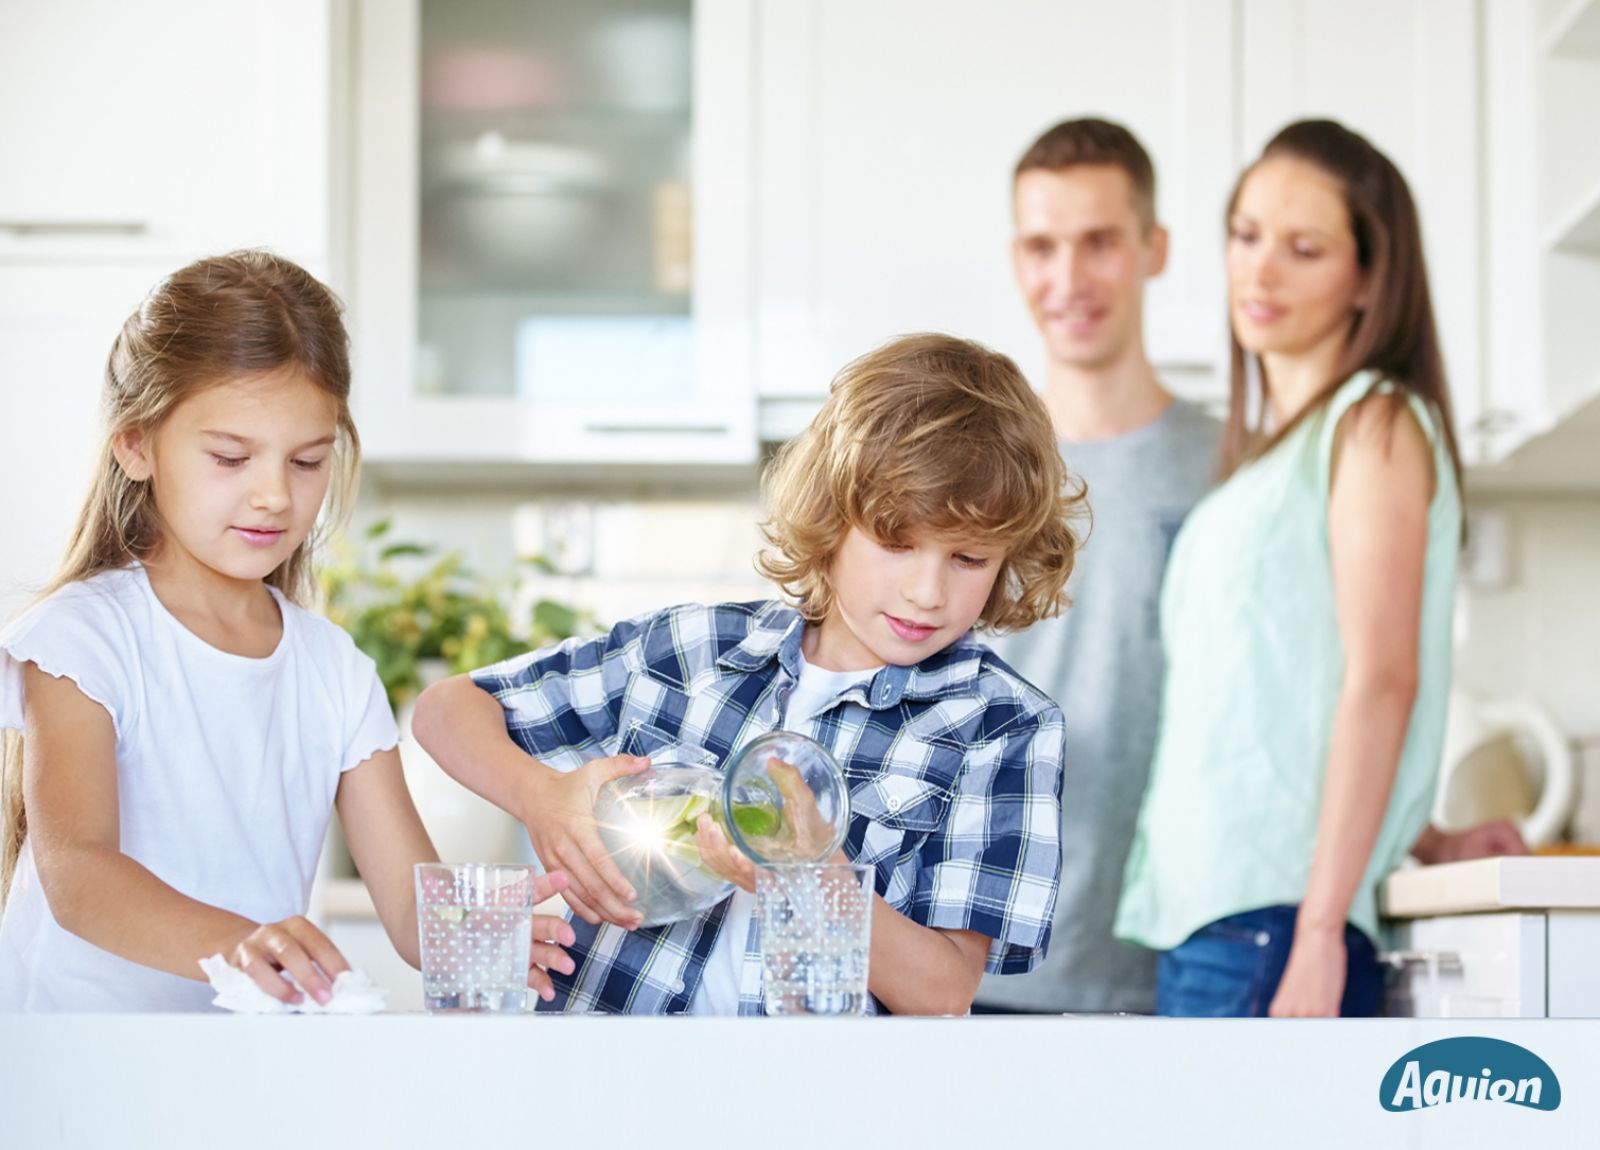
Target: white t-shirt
column 226, row 772
column 718, row 992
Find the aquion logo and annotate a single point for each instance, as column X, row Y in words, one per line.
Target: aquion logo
column 1469, row 1069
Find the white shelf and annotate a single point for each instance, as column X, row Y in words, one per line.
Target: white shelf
column 1575, row 31
column 1578, row 230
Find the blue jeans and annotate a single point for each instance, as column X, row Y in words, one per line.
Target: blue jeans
column 1231, row 969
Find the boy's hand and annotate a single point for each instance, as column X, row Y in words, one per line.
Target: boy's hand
column 722, row 856
column 551, row 933
column 559, row 815
column 803, row 834
column 293, row 947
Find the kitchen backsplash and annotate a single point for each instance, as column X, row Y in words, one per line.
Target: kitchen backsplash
column 1534, row 629
column 1538, row 632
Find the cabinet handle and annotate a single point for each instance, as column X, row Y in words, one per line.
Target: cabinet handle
column 657, row 428
column 75, row 227
column 1446, row 961
column 1495, row 421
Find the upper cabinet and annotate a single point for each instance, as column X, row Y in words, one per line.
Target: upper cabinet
column 134, row 138
column 164, row 132
column 1405, row 75
column 551, row 233
column 651, row 231
column 888, row 134
column 1542, row 271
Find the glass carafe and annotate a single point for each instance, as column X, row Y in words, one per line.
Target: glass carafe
column 780, row 798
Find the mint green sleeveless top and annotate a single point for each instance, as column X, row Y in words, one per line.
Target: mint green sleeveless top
column 1254, row 667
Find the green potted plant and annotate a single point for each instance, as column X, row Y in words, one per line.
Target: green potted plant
column 404, row 619
column 421, row 615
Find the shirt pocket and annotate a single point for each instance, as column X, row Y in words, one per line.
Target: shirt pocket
column 663, row 748
column 899, row 813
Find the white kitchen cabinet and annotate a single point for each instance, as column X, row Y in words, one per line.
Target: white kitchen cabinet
column 164, row 130
column 57, row 322
column 1542, row 166
column 529, row 396
column 1513, row 965
column 1496, row 938
column 889, row 132
column 1406, row 76
column 133, row 139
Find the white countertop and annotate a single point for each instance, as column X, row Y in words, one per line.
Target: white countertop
column 1531, row 882
column 540, row 1081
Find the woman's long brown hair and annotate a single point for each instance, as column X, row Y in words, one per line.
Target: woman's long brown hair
column 1394, row 334
column 245, row 314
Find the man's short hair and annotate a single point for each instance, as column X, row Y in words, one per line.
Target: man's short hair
column 928, row 433
column 1073, row 143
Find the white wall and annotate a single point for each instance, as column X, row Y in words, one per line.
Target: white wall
column 1539, row 634
column 620, row 557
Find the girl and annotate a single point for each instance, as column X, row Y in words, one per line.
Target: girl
column 1307, row 606
column 188, row 726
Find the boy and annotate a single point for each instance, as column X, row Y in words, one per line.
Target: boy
column 927, row 497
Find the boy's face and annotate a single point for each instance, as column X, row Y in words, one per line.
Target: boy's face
column 1081, row 255
column 901, row 602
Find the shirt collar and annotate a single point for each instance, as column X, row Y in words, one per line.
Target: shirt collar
column 775, row 634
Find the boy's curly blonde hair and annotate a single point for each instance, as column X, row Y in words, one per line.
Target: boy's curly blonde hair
column 928, row 433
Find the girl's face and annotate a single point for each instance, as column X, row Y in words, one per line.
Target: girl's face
column 1294, row 283
column 898, row 603
column 238, row 472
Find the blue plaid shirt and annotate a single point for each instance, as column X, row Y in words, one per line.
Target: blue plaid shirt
column 954, row 767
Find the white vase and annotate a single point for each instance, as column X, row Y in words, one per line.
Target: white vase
column 463, row 826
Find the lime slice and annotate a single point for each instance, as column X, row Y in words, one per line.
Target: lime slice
column 697, row 806
column 755, row 820
column 456, row 915
column 682, row 851
column 668, row 811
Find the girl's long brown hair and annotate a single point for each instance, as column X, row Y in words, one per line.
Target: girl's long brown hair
column 245, row 314
column 1394, row 334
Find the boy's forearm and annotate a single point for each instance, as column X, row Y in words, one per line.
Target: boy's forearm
column 463, row 728
column 916, row 969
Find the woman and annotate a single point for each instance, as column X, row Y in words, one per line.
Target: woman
column 1307, row 606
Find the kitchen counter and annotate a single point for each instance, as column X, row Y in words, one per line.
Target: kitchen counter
column 1530, row 882
column 1502, row 937
column 542, row 1081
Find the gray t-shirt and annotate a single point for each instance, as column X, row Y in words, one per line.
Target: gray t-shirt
column 1102, row 663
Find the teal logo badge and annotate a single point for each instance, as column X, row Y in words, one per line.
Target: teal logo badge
column 1469, row 1069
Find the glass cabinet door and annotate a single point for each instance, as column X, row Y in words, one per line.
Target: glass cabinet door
column 554, row 199
column 552, row 206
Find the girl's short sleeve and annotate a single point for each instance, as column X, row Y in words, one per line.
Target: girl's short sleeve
column 369, row 723
column 77, row 636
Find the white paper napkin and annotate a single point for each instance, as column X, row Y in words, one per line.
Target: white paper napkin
column 354, row 992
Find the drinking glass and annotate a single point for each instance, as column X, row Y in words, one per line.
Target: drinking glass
column 475, row 923
column 815, row 931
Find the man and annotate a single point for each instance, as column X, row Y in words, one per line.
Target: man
column 1086, row 241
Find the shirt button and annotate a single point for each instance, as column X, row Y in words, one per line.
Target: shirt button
column 1262, row 938
column 894, row 804
column 677, row 987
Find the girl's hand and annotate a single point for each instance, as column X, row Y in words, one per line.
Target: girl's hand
column 560, row 820
column 1313, row 979
column 551, row 933
column 292, row 947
